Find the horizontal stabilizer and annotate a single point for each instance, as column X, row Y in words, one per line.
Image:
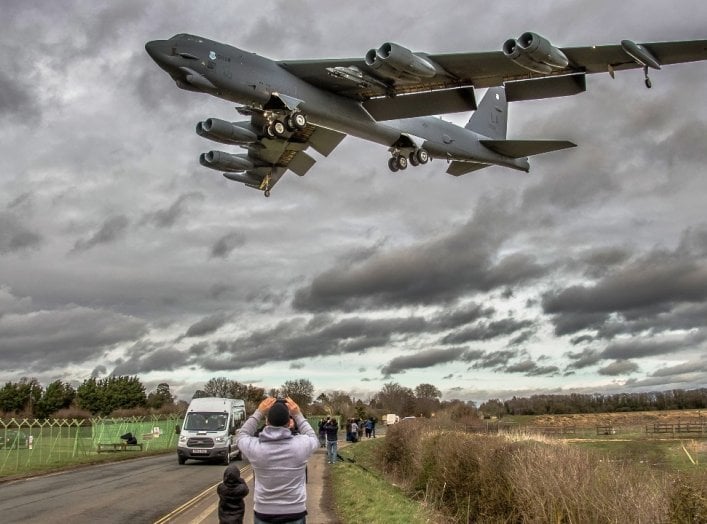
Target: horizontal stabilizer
column 324, row 141
column 301, row 163
column 422, row 104
column 549, row 87
column 523, row 148
column 457, row 168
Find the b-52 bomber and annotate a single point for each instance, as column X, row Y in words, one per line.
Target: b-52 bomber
column 389, row 97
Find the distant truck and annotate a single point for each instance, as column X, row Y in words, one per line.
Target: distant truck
column 390, row 419
column 208, row 430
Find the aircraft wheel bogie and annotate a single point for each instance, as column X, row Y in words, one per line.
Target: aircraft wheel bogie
column 422, row 156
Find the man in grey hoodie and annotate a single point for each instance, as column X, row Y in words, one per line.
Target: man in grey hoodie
column 279, row 461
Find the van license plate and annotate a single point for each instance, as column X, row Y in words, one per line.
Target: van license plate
column 199, row 451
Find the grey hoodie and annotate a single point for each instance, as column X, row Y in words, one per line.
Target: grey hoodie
column 278, row 459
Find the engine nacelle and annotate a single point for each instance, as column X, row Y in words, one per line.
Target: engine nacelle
column 226, row 132
column 249, row 179
column 225, row 161
column 535, row 53
column 399, row 62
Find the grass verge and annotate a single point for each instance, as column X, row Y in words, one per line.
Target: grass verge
column 362, row 496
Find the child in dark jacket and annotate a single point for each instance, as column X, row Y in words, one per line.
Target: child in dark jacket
column 231, row 492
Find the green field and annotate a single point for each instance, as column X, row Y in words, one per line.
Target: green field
column 29, row 447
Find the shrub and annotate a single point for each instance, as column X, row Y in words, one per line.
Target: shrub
column 688, row 501
column 484, row 478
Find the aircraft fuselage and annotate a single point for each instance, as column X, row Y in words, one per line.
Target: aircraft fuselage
column 202, row 65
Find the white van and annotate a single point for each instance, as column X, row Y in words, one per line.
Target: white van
column 208, row 430
column 390, row 419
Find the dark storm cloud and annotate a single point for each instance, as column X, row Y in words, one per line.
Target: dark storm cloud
column 226, row 244
column 165, row 218
column 206, row 325
column 321, row 336
column 599, row 261
column 145, row 357
column 647, row 347
column 691, row 367
column 460, row 316
column 487, row 331
column 435, row 271
column 422, row 359
column 585, row 358
column 46, row 339
column 521, row 338
column 99, row 371
column 110, row 231
column 531, row 369
column 14, row 236
column 495, row 359
column 644, row 291
column 15, row 98
column 619, row 367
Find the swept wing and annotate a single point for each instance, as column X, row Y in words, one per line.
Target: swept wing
column 358, row 79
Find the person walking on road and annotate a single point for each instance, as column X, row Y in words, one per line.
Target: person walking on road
column 279, row 461
column 331, row 432
column 231, row 492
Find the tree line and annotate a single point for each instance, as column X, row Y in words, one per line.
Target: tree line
column 115, row 394
column 597, row 403
column 102, row 397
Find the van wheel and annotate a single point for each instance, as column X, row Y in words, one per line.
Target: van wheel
column 181, row 460
column 227, row 458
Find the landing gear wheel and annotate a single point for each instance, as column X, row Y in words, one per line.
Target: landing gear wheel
column 413, row 159
column 422, row 156
column 402, row 162
column 393, row 164
column 278, row 129
column 267, row 193
column 647, row 80
column 299, row 120
column 269, row 131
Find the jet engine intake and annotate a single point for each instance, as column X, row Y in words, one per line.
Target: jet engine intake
column 226, row 132
column 221, row 161
column 399, row 62
column 535, row 53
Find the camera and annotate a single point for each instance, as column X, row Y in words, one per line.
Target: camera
column 281, row 400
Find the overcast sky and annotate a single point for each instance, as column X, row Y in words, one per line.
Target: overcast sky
column 120, row 254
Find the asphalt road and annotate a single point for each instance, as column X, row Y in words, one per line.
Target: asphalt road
column 135, row 491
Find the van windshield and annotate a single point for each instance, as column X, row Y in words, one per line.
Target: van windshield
column 205, row 421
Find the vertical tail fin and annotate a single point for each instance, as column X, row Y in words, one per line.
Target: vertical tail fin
column 491, row 118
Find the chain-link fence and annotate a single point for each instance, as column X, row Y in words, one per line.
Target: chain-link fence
column 31, row 444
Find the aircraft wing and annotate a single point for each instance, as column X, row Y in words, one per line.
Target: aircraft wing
column 494, row 69
column 273, row 157
column 357, row 79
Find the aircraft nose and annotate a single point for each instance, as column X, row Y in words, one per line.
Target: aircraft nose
column 157, row 49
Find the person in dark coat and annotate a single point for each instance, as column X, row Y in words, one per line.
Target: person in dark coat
column 231, row 493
